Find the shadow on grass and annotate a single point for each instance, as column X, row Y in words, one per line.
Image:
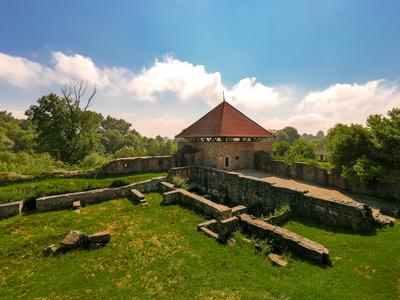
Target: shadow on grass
column 330, row 228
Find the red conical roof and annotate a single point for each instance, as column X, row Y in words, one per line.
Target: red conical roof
column 224, row 121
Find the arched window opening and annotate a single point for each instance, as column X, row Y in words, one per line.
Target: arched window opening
column 227, row 162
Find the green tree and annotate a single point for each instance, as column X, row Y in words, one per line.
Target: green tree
column 281, row 136
column 385, row 133
column 114, row 124
column 300, row 150
column 346, row 144
column 291, row 133
column 280, row 148
column 65, row 129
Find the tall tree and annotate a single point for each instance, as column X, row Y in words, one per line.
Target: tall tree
column 291, row 133
column 67, row 130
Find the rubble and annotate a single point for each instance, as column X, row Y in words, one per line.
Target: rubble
column 76, row 239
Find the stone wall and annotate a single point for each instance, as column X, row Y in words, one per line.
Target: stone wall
column 261, row 197
column 10, row 209
column 318, row 175
column 213, row 154
column 298, row 244
column 65, row 201
column 139, row 164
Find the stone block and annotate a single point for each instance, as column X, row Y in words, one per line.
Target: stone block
column 10, row 209
column 277, row 260
column 101, row 237
column 74, row 239
column 296, row 243
column 238, row 210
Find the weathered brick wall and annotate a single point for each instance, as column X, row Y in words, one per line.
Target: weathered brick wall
column 304, row 171
column 140, row 164
column 261, row 197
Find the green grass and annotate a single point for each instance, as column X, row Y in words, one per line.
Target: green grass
column 45, row 187
column 155, row 252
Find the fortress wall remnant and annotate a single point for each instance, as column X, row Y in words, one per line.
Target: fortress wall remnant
column 139, row 164
column 262, row 197
column 321, row 176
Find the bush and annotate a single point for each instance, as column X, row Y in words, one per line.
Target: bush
column 280, row 148
column 180, row 182
column 124, row 152
column 93, row 160
column 28, row 164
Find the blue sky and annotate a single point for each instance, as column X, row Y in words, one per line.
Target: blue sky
column 162, row 64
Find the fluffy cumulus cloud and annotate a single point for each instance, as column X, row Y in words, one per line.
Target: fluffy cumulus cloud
column 185, row 80
column 190, row 81
column 345, row 103
column 24, row 73
column 341, row 103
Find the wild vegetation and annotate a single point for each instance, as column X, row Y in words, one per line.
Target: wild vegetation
column 159, row 254
column 60, row 132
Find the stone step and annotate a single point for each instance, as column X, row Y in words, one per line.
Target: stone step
column 209, row 223
column 209, row 232
column 277, row 259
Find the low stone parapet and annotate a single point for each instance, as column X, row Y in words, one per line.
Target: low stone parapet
column 65, row 201
column 197, row 203
column 296, row 243
column 10, row 209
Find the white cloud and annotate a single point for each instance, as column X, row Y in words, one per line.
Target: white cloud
column 22, row 72
column 190, row 81
column 341, row 103
column 186, row 80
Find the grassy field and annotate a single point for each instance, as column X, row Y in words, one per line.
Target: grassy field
column 155, row 252
column 45, row 187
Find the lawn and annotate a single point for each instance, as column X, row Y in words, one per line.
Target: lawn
column 45, row 187
column 156, row 252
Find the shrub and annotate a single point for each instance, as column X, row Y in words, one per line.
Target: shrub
column 93, row 160
column 28, row 164
column 280, row 148
column 180, row 182
column 124, row 152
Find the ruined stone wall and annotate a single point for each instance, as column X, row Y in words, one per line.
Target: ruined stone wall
column 261, row 197
column 65, row 201
column 318, row 175
column 140, row 164
column 10, row 209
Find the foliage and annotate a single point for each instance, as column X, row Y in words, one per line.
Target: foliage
column 93, row 160
column 366, row 153
column 15, row 135
column 385, row 132
column 180, row 182
column 300, row 150
column 318, row 138
column 65, row 131
column 280, row 148
column 281, row 136
column 291, row 133
column 28, row 164
column 155, row 252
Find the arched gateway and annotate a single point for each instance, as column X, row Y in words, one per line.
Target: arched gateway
column 223, row 138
